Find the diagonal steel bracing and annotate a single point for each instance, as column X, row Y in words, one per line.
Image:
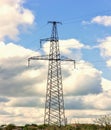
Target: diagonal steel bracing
column 54, row 105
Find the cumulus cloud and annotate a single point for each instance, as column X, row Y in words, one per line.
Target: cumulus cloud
column 22, row 89
column 91, row 101
column 102, row 101
column 103, row 20
column 28, row 81
column 31, row 101
column 21, row 115
column 84, row 116
column 72, row 48
column 83, row 80
column 105, row 48
column 3, row 99
column 109, row 63
column 15, row 75
column 12, row 50
column 2, row 113
column 106, row 84
column 13, row 15
column 69, row 47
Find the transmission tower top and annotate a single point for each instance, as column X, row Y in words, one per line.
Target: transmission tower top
column 54, row 22
column 54, row 35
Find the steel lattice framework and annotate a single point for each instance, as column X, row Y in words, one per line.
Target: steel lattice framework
column 54, row 105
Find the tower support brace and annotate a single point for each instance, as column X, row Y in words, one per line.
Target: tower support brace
column 54, row 104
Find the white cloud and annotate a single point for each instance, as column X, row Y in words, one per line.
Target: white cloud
column 105, row 48
column 84, row 116
column 21, row 115
column 106, row 84
column 12, row 50
column 13, row 15
column 109, row 63
column 22, row 89
column 73, row 77
column 100, row 101
column 85, row 79
column 31, row 101
column 15, row 76
column 69, row 47
column 104, row 20
column 92, row 101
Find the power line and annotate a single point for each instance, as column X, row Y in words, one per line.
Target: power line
column 79, row 18
column 70, row 21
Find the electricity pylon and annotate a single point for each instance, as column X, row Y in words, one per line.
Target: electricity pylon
column 54, row 105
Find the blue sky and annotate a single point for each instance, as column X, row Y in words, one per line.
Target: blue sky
column 72, row 14
column 85, row 35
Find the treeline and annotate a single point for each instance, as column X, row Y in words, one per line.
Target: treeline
column 53, row 127
column 100, row 123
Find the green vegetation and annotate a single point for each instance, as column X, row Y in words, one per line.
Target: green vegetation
column 53, row 127
column 101, row 123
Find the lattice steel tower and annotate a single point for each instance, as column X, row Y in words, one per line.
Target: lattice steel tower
column 54, row 105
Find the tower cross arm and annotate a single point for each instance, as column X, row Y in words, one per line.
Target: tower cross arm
column 43, row 57
column 46, row 57
column 63, row 58
column 54, row 22
column 44, row 40
column 48, row 39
